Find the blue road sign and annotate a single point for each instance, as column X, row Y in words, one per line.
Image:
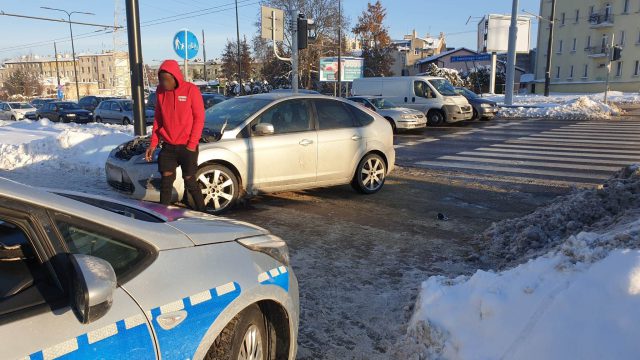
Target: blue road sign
column 60, row 92
column 185, row 44
column 479, row 57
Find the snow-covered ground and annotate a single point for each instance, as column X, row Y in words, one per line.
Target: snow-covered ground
column 580, row 300
column 565, row 106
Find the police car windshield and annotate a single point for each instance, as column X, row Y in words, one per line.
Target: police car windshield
column 234, row 112
column 444, row 87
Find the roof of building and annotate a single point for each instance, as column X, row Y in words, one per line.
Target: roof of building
column 443, row 54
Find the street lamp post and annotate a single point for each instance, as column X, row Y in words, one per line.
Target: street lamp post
column 239, row 54
column 73, row 50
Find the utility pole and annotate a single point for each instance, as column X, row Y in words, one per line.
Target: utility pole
column 606, row 88
column 339, row 48
column 294, row 50
column 73, row 49
column 55, row 54
column 239, row 55
column 511, row 55
column 547, row 73
column 135, row 66
column 204, row 54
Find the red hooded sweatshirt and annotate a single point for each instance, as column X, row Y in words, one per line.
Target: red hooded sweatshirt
column 179, row 114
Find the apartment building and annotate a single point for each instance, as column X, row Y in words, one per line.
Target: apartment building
column 584, row 32
column 413, row 48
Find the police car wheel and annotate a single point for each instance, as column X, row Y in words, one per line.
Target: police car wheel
column 244, row 338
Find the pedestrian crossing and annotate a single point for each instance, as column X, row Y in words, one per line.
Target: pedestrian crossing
column 584, row 152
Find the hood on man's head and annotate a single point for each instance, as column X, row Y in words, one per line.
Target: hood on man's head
column 173, row 68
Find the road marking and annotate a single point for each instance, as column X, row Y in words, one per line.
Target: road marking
column 581, row 154
column 543, row 141
column 530, row 163
column 591, row 136
column 540, row 157
column 517, row 170
column 583, row 148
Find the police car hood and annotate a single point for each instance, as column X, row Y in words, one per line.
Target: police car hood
column 202, row 228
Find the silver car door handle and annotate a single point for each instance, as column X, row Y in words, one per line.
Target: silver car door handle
column 306, row 142
column 356, row 137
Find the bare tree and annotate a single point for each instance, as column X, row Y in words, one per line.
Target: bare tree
column 230, row 60
column 24, row 82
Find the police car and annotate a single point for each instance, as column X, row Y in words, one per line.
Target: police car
column 86, row 277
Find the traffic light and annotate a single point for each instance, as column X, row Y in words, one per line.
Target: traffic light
column 306, row 31
column 617, row 53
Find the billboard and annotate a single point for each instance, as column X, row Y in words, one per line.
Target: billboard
column 352, row 68
column 493, row 34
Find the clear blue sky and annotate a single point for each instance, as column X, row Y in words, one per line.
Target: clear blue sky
column 24, row 36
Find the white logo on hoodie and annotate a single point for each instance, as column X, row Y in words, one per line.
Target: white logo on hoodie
column 182, row 98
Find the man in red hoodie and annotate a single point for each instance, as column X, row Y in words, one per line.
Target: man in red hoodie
column 178, row 123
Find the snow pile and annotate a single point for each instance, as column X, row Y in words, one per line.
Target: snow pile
column 580, row 300
column 561, row 98
column 75, row 147
column 581, row 108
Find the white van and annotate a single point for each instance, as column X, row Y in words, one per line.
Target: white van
column 435, row 96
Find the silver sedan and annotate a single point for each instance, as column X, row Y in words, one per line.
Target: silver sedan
column 86, row 277
column 400, row 118
column 268, row 143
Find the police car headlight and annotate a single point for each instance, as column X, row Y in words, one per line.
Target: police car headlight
column 268, row 244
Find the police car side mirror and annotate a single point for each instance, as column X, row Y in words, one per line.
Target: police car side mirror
column 94, row 282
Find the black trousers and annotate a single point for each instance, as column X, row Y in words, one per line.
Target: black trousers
column 172, row 156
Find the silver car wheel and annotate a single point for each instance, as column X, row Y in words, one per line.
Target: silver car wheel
column 251, row 348
column 217, row 188
column 372, row 174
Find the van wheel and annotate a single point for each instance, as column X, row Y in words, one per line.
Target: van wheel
column 393, row 125
column 245, row 337
column 435, row 117
column 370, row 174
column 220, row 188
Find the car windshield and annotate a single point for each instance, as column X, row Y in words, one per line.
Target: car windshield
column 467, row 93
column 127, row 105
column 443, row 86
column 20, row 106
column 383, row 103
column 67, row 106
column 234, row 112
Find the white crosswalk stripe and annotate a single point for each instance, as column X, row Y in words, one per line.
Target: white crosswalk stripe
column 585, row 152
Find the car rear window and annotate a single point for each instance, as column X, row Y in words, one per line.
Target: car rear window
column 117, row 208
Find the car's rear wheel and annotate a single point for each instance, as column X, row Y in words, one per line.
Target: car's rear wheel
column 435, row 117
column 13, row 118
column 220, row 188
column 370, row 174
column 98, row 119
column 244, row 338
column 126, row 121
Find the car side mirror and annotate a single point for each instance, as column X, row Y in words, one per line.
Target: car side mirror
column 263, row 129
column 94, row 282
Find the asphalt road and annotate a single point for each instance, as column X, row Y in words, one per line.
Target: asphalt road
column 360, row 259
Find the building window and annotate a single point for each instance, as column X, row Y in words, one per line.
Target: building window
column 557, row 72
column 563, row 18
column 575, row 42
column 585, row 73
column 591, row 10
column 560, row 46
column 577, row 16
column 625, row 9
column 571, row 72
column 623, row 38
column 636, row 68
column 619, row 68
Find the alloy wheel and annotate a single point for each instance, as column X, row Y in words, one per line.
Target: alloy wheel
column 372, row 174
column 251, row 348
column 217, row 188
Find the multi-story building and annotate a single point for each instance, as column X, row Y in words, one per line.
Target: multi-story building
column 584, row 32
column 107, row 73
column 413, row 48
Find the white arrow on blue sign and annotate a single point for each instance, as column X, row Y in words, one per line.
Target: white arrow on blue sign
column 185, row 44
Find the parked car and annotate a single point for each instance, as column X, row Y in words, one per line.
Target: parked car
column 434, row 96
column 400, row 118
column 64, row 111
column 119, row 112
column 483, row 109
column 14, row 110
column 37, row 103
column 91, row 102
column 210, row 99
column 290, row 91
column 98, row 278
column 270, row 142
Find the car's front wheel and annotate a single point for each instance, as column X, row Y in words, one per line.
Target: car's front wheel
column 126, row 121
column 98, row 119
column 370, row 174
column 13, row 118
column 220, row 188
column 435, row 117
column 244, row 338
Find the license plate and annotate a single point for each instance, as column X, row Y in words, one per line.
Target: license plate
column 114, row 174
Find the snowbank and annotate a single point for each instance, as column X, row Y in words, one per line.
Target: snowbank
column 581, row 108
column 556, row 98
column 580, row 300
column 65, row 147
